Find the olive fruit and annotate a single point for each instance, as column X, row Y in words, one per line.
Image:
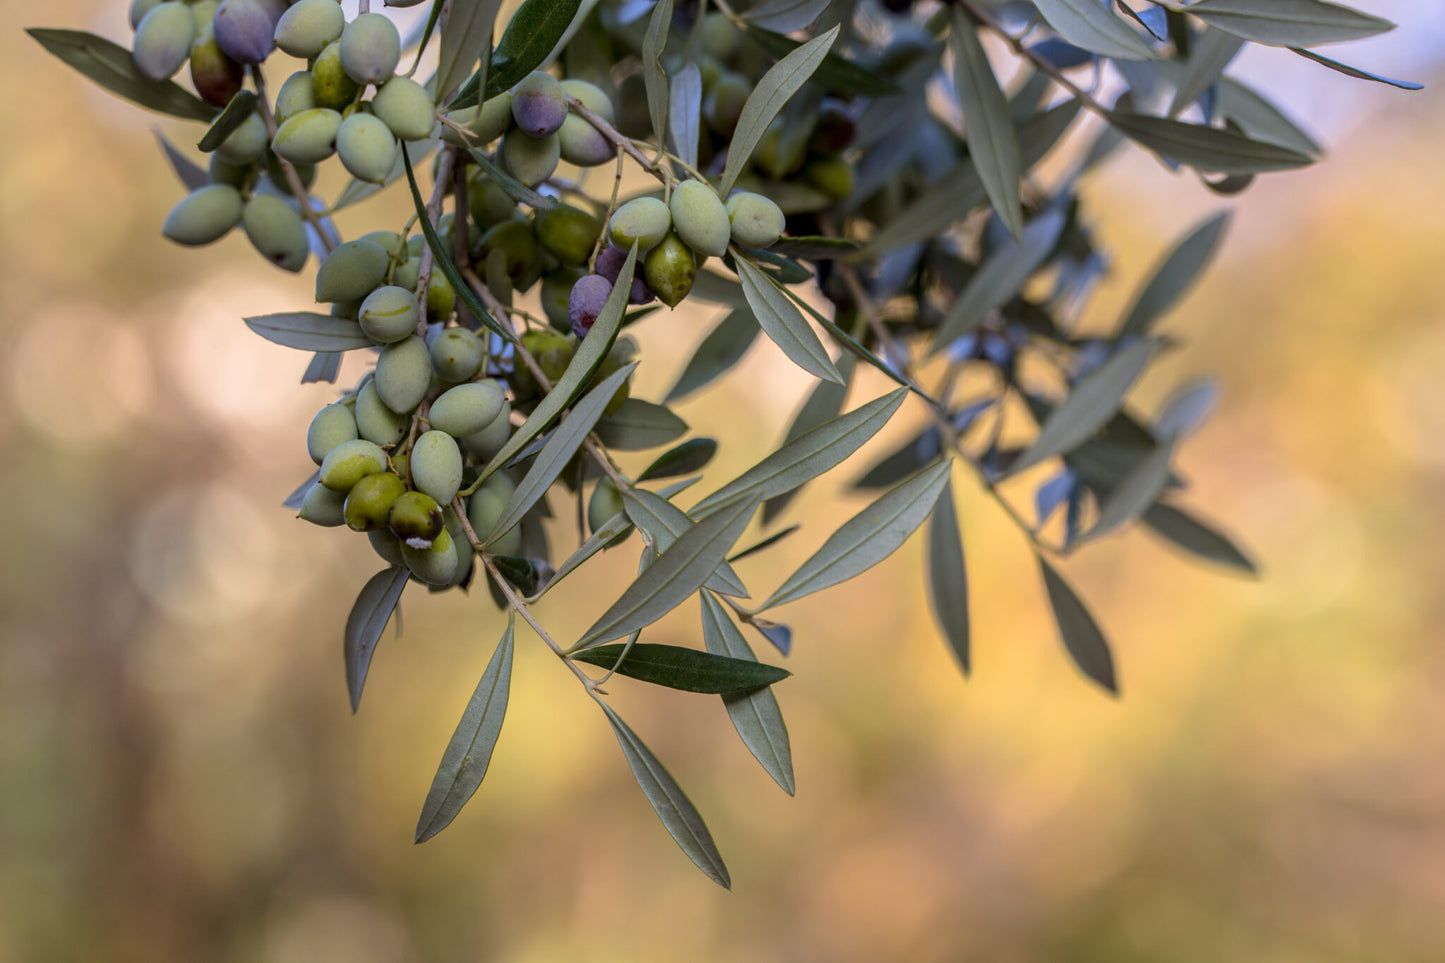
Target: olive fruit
column 538, row 105
column 581, row 143
column 403, row 374
column 404, row 106
column 589, row 296
column 723, row 103
column 643, row 220
column 467, row 409
column 139, row 9
column 517, row 240
column 441, row 297
column 367, row 147
column 552, row 351
column 330, row 82
column 351, row 271
column 485, row 123
column 465, row 555
column 204, row 215
column 570, row 233
column 329, row 427
column 622, row 353
column 375, row 421
column 370, row 48
column 756, row 221
column 244, row 29
column 720, row 38
column 216, row 77
column 308, row 137
column 247, row 143
column 386, row 545
column 831, row 175
column 368, row 504
column 700, row 219
column 349, row 462
column 389, row 314
column 487, row 442
column 484, row 508
column 488, row 204
column 456, row 355
column 221, row 171
column 530, row 160
column 604, row 505
column 295, row 95
column 556, row 293
column 437, row 563
column 609, row 264
column 416, row 519
column 670, row 269
column 391, row 242
column 308, row 26
column 163, row 40
column 277, row 231
column 436, row 466
column 322, row 506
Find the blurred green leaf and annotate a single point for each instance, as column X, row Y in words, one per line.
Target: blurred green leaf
column 824, row 404
column 191, row 174
column 948, row 577
column 1194, row 536
column 755, row 714
column 1289, row 23
column 690, row 456
column 369, row 615
column 638, row 425
column 466, row 34
column 1355, row 72
column 1089, row 24
column 530, row 36
column 306, row 331
column 835, row 73
column 987, row 125
column 1082, row 637
column 1210, row 54
column 240, row 107
column 1174, row 277
column 654, row 42
column 684, row 112
column 815, row 248
column 1133, row 496
column 785, row 324
column 1207, row 148
column 724, row 347
column 112, row 67
column 680, row 668
column 785, row 16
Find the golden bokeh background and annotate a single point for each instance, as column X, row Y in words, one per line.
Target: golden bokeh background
column 183, row 779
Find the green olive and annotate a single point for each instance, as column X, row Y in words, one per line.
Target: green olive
column 670, row 269
column 368, row 504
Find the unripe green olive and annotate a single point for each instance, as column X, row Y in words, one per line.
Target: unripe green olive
column 204, row 215
column 403, row 374
column 139, row 9
column 203, row 13
column 441, row 297
column 582, row 144
column 163, row 40
column 493, row 118
column 389, row 313
column 308, row 26
column 405, row 274
column 375, row 421
column 488, row 204
column 404, row 106
column 831, row 175
column 386, row 545
column 538, row 104
column 530, row 160
column 700, row 219
column 436, row 465
column 323, row 507
column 330, row 82
column 465, row 555
column 467, row 409
column 780, row 152
column 487, row 442
column 416, row 519
column 245, row 29
column 723, row 103
column 570, row 233
column 517, row 240
column 391, row 242
column 295, row 95
column 368, row 504
column 329, row 427
column 276, row 230
column 604, row 505
column 456, row 355
column 557, row 294
column 401, row 464
column 553, row 353
column 367, row 147
column 308, row 137
column 349, row 462
column 247, row 143
column 594, row 98
column 756, row 220
column 670, row 270
column 484, row 508
column 643, row 220
column 720, row 38
column 352, row 271
column 437, row 563
column 306, row 173
column 216, row 77
column 370, row 48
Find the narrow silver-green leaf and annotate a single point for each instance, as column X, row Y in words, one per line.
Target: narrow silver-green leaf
column 638, row 425
column 807, row 457
column 1355, row 72
column 1289, row 23
column 512, row 187
column 466, row 33
column 465, row 761
column 785, row 16
column 558, row 451
column 654, row 42
column 1261, row 119
column 1090, row 405
column 755, row 714
column 1189, row 533
column 1175, row 275
column 529, row 38
column 678, row 572
column 679, row 817
column 240, row 107
column 684, row 112
column 306, row 331
column 867, row 538
column 1093, row 26
column 948, row 578
column 665, row 522
column 1133, row 496
column 785, row 324
column 987, row 124
column 1207, row 148
column 824, row 403
column 1209, row 54
column 1082, row 636
column 681, row 668
column 595, row 543
column 724, row 347
column 775, row 89
column 191, row 174
column 690, row 456
column 364, row 625
column 113, row 67
column 836, row 73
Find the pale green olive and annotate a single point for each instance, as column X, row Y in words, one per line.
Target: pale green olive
column 323, row 507
column 389, row 314
column 276, row 230
column 643, row 220
column 370, row 48
column 467, row 409
column 456, row 355
column 351, row 271
column 436, row 466
column 367, row 148
column 700, row 219
column 403, row 374
column 405, row 106
column 375, row 421
column 349, row 462
column 204, row 215
column 331, row 426
column 437, row 563
column 484, row 508
column 308, row 26
column 308, row 137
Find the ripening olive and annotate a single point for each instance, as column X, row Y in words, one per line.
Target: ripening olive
column 530, row 160
column 556, row 293
column 670, row 269
column 589, row 296
column 329, row 427
column 484, row 509
column 538, row 104
column 332, row 85
column 370, row 48
column 700, row 219
column 416, row 519
column 277, row 231
column 216, row 77
column 403, row 374
column 437, row 563
column 756, row 220
column 570, row 234
column 456, row 354
column 308, row 26
column 368, row 504
column 436, row 465
column 389, row 313
column 644, row 221
column 349, row 462
column 204, row 215
column 487, row 442
column 247, row 143
column 245, row 30
column 295, row 95
column 163, row 40
column 351, row 272
column 308, row 137
column 405, row 106
column 324, row 507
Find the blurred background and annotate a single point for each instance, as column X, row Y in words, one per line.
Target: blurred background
column 183, row 779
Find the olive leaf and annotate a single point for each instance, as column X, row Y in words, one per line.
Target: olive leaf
column 638, row 425
column 1088, row 24
column 596, row 542
column 1135, row 493
column 723, row 347
column 364, row 625
column 425, row 38
column 815, row 248
column 835, row 73
column 1082, row 636
column 690, row 456
column 1355, row 72
column 466, row 34
column 1209, row 55
column 1189, row 533
column 987, row 126
column 784, row 323
column 654, row 42
column 113, row 67
column 867, row 538
column 512, row 187
column 529, row 38
column 679, row 817
column 824, row 403
column 192, row 175
column 775, row 89
column 687, row 670
column 948, row 577
column 1173, row 278
column 240, row 107
column 307, row 331
column 1207, row 148
column 785, row 16
column 664, row 522
column 1289, row 23
column 684, row 116
column 766, row 543
column 755, row 714
column 465, row 760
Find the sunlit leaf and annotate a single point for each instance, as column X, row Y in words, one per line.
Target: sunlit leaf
column 1091, row 25
column 824, row 403
column 665, row 522
column 529, row 38
column 1210, row 53
column 755, row 714
column 466, row 33
column 638, row 425
column 1207, row 148
column 1173, row 278
column 690, row 456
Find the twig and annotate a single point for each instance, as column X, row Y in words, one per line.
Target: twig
column 288, row 171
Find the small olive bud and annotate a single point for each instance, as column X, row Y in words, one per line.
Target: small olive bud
column 329, row 427
column 367, row 147
column 375, row 421
column 403, row 374
column 487, row 442
column 437, row 563
column 330, row 82
column 530, row 160
column 404, row 106
column 204, row 215
column 568, row 233
column 416, row 519
column 467, row 409
column 368, row 504
column 589, row 296
column 323, row 507
column 308, row 137
column 245, row 30
column 349, row 462
column 276, row 230
column 700, row 219
column 756, row 221
column 538, row 105
column 370, row 48
column 216, row 77
column 247, row 143
column 436, row 466
column 386, row 545
column 484, row 508
column 163, row 40
column 644, row 221
column 351, row 272
column 670, row 270
column 456, row 355
column 295, row 95
column 308, row 26
column 389, row 313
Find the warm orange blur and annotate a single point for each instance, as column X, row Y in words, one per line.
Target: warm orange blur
column 183, row 779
